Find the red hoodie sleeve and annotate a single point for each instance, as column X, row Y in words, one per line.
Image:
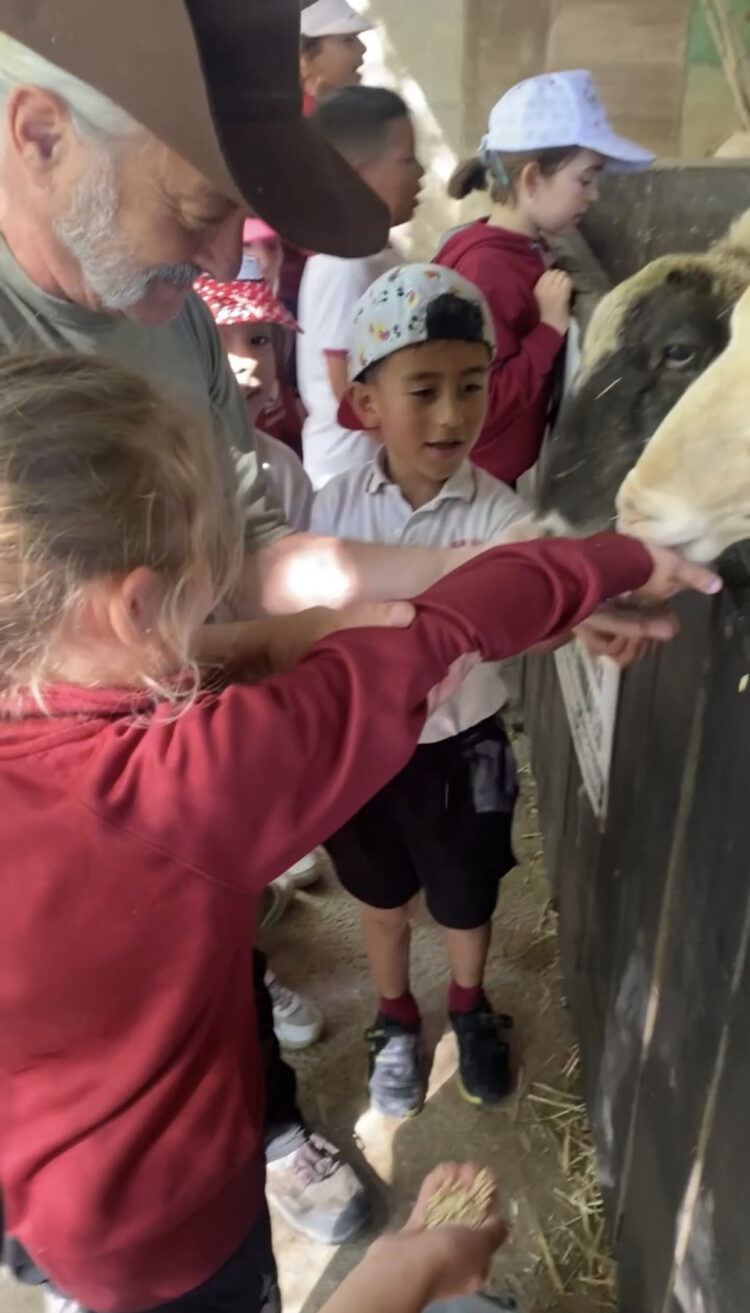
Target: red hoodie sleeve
column 249, row 780
column 520, row 379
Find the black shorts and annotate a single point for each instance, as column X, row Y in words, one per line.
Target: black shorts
column 443, row 824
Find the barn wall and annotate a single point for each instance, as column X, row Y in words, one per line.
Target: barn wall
column 635, row 49
column 655, row 903
column 424, row 61
column 655, row 63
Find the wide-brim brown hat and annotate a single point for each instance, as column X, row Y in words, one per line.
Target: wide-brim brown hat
column 218, row 82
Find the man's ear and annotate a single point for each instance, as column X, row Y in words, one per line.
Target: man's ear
column 364, row 400
column 39, row 128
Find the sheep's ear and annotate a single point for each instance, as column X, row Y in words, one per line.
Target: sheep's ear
column 741, row 321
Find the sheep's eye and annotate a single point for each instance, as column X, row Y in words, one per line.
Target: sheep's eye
column 678, row 355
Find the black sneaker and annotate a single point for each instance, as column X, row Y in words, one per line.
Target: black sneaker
column 484, row 1074
column 395, row 1070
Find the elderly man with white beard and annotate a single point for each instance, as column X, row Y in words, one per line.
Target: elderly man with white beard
column 136, row 138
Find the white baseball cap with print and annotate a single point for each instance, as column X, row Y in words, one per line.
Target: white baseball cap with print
column 555, row 110
column 395, row 313
column 332, row 18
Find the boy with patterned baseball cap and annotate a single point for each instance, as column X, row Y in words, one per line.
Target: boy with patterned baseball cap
column 420, row 356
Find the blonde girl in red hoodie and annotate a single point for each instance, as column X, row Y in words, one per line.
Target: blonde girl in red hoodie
column 142, row 815
column 547, row 143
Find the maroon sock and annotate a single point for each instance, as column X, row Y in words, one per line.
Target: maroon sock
column 466, row 998
column 404, row 1010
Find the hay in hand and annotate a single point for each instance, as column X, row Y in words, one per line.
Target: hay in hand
column 454, row 1204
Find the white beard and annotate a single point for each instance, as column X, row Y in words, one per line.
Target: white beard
column 90, row 235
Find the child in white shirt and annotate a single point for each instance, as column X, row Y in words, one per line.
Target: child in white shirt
column 372, row 129
column 420, row 357
column 246, row 311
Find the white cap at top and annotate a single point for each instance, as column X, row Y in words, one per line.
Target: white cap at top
column 332, row 18
column 557, row 110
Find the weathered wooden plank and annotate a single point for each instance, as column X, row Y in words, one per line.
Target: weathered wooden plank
column 623, row 921
column 578, row 854
column 672, row 207
column 702, row 927
column 552, row 753
column 712, row 1267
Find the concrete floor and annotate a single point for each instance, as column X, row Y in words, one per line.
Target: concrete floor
column 317, row 948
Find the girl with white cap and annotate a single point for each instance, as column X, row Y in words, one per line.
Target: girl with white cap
column 331, row 54
column 331, row 49
column 547, row 143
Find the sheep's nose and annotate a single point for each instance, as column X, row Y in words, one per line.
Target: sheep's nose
column 640, row 513
column 657, row 516
column 629, row 507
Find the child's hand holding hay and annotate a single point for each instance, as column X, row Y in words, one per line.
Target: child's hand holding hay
column 455, row 1195
column 444, row 1251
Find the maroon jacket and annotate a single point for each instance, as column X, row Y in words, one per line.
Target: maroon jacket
column 507, row 266
column 133, row 847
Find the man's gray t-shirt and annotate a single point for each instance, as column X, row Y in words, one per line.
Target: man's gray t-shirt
column 185, row 355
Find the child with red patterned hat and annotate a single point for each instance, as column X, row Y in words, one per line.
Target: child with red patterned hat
column 248, row 313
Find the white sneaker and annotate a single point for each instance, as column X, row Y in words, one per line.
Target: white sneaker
column 274, row 901
column 54, row 1303
column 298, row 1022
column 307, row 870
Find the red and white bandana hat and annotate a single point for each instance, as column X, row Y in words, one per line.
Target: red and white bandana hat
column 248, row 299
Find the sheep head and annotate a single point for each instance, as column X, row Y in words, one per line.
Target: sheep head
column 648, row 341
column 691, row 487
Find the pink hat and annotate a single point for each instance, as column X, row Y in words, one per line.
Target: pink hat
column 248, row 300
column 257, row 230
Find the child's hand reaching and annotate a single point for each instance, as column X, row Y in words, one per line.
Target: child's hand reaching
column 409, row 1269
column 440, row 1185
column 553, row 293
column 456, row 1259
column 628, row 630
column 673, row 573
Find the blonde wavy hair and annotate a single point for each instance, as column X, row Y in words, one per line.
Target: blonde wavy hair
column 100, row 474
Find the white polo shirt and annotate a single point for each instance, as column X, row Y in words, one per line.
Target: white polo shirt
column 330, row 290
column 283, row 469
column 471, row 507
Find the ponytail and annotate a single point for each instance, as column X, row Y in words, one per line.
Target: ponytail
column 469, row 176
column 498, row 171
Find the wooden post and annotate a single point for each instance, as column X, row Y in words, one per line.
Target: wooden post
column 730, row 48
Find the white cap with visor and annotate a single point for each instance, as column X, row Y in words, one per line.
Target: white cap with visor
column 555, row 110
column 332, row 18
